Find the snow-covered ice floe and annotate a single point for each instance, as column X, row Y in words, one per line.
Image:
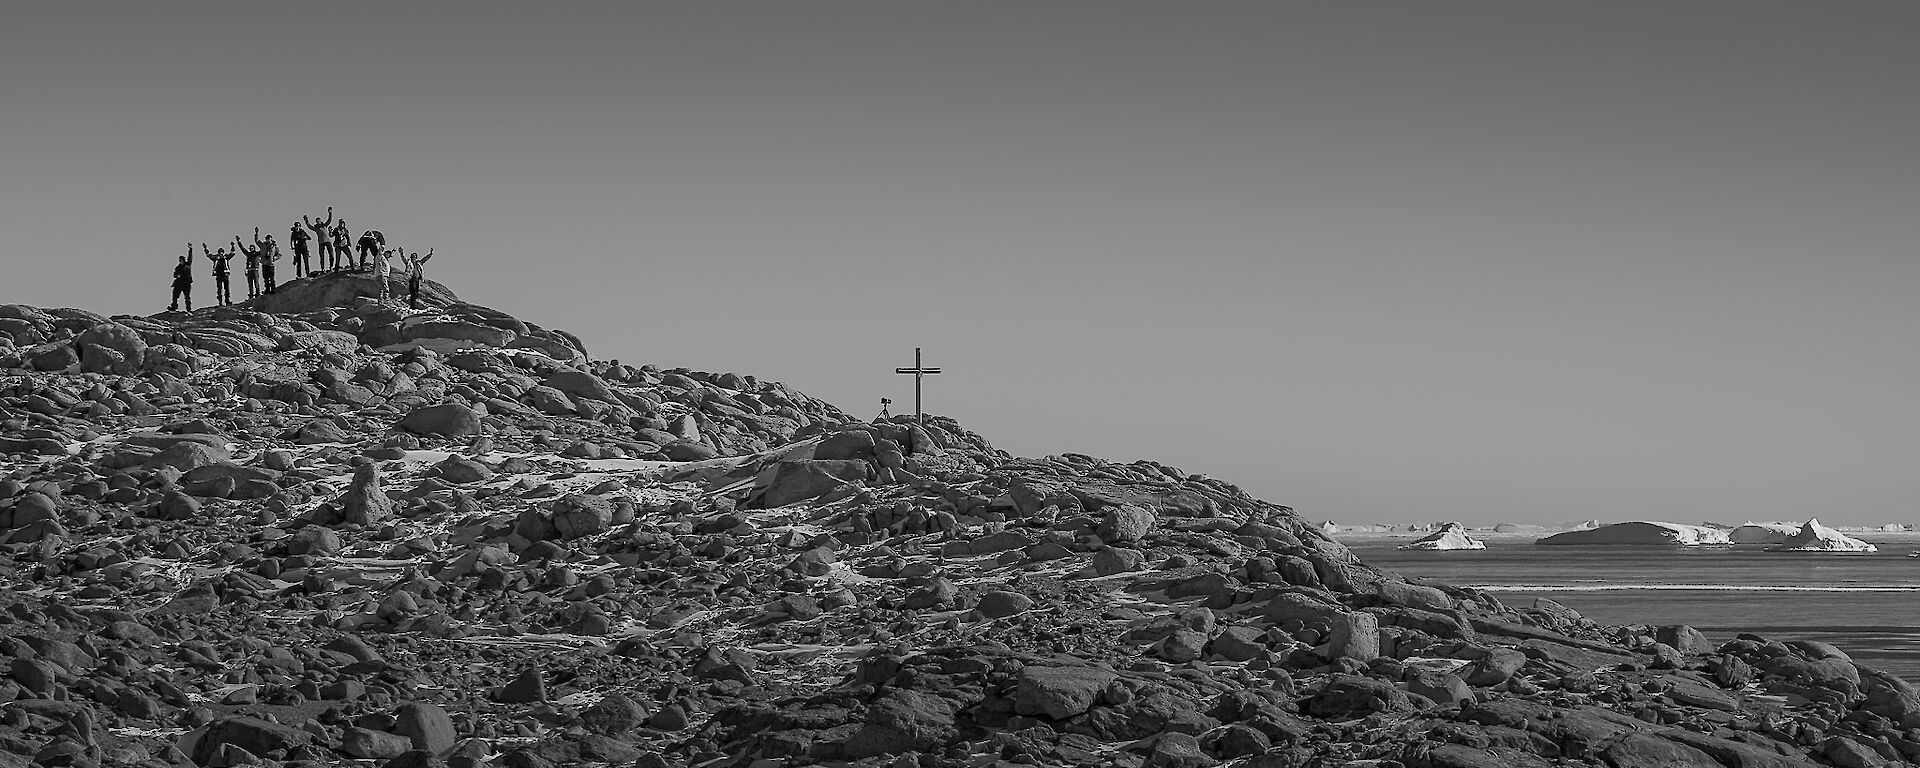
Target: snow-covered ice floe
column 1644, row 532
column 1764, row 533
column 1814, row 537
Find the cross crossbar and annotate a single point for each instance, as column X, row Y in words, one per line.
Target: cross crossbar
column 917, row 372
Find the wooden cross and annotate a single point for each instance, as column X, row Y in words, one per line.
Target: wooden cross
column 917, row 371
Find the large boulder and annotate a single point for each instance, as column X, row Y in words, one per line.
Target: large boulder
column 797, row 481
column 581, row 384
column 256, row 736
column 1059, row 692
column 320, row 342
column 230, row 481
column 457, row 330
column 445, row 420
column 128, row 350
column 341, row 290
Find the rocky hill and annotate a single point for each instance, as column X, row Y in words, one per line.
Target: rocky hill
column 315, row 529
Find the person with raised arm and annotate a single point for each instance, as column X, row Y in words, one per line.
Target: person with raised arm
column 221, row 293
column 298, row 237
column 182, row 282
column 417, row 269
column 269, row 254
column 322, row 236
column 253, row 266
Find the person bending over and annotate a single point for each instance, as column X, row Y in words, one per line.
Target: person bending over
column 371, row 241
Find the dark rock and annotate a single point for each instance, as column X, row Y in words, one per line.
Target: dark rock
column 449, row 420
column 1060, row 692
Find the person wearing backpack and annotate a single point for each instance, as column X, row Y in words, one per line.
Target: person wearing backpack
column 322, row 236
column 221, row 292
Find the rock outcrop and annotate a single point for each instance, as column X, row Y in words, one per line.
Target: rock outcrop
column 318, row 529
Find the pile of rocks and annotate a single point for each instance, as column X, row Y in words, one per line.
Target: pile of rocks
column 341, row 532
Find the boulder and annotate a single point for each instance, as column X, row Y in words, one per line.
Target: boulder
column 129, row 351
column 1059, row 692
column 580, row 515
column 797, row 481
column 364, row 502
column 450, row 420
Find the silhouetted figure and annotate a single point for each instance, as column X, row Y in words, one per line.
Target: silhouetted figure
column 371, row 241
column 221, row 293
column 253, row 266
column 298, row 237
column 182, row 282
column 417, row 265
column 325, row 240
column 884, row 402
column 340, row 235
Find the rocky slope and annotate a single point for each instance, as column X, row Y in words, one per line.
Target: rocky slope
column 315, row 529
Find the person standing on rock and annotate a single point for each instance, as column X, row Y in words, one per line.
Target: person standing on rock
column 324, row 239
column 417, row 265
column 182, row 282
column 253, row 266
column 371, row 242
column 340, row 234
column 269, row 253
column 221, row 293
column 382, row 268
column 298, row 237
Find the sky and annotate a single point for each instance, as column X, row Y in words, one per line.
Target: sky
column 1379, row 261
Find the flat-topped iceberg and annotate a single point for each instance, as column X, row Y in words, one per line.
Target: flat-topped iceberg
column 1449, row 536
column 1644, row 532
column 1814, row 537
column 1764, row 533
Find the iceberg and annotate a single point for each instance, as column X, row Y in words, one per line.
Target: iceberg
column 1449, row 536
column 1643, row 532
column 1814, row 537
column 1763, row 533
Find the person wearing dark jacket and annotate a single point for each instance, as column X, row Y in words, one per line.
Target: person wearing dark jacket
column 253, row 266
column 322, row 235
column 298, row 237
column 183, row 282
column 221, row 293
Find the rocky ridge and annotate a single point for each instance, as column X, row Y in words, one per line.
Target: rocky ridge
column 315, row 530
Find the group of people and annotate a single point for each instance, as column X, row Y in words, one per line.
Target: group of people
column 335, row 256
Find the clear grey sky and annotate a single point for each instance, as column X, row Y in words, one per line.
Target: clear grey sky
column 1382, row 261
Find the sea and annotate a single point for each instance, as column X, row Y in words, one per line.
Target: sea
column 1867, row 604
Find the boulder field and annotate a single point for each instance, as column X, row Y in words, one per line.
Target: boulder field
column 320, row 530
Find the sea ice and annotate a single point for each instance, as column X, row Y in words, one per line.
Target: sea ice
column 1450, row 536
column 1643, row 532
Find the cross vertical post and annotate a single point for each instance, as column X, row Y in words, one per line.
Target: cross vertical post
column 917, row 372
